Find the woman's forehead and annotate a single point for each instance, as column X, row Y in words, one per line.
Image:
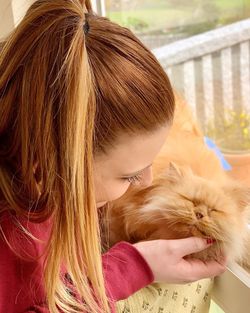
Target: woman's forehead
column 133, row 153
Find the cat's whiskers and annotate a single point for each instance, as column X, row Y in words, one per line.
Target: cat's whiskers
column 214, row 232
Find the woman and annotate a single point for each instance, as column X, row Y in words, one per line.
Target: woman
column 85, row 108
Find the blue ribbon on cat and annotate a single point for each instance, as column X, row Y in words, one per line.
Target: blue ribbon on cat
column 211, row 145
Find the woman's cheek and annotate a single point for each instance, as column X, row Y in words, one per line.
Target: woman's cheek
column 110, row 190
column 116, row 190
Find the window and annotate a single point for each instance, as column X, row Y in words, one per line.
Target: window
column 210, row 69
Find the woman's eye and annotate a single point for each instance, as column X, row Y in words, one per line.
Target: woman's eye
column 134, row 179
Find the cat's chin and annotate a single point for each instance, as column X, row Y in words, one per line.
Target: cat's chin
column 197, row 232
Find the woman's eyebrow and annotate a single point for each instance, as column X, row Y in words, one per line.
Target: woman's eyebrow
column 136, row 173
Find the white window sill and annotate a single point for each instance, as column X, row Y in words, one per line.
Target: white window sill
column 231, row 290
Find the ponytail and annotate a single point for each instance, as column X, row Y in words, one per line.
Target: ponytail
column 47, row 92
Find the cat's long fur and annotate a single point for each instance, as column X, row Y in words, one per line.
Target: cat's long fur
column 192, row 197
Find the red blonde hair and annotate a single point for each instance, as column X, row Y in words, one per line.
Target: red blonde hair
column 64, row 96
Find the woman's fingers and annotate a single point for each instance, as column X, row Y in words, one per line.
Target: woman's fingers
column 194, row 269
column 190, row 245
column 167, row 262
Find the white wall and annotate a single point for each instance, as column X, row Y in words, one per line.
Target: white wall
column 11, row 12
column 6, row 17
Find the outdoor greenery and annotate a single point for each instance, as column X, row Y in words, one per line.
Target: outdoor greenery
column 233, row 132
column 176, row 16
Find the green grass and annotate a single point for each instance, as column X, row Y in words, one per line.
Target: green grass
column 154, row 18
column 161, row 15
column 232, row 4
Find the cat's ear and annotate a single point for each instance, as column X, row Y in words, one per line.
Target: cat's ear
column 240, row 194
column 174, row 170
column 175, row 173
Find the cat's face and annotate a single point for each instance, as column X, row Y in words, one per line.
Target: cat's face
column 186, row 205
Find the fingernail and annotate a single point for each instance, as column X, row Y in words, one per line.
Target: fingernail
column 210, row 241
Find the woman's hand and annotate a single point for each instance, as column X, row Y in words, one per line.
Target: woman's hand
column 166, row 260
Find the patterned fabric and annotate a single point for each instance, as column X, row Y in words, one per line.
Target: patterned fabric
column 168, row 298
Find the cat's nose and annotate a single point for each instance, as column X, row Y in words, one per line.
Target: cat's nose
column 199, row 215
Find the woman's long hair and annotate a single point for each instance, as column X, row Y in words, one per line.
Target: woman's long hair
column 70, row 83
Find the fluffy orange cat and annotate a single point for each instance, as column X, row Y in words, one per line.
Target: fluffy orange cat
column 191, row 195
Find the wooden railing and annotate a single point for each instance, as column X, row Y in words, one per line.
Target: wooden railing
column 211, row 70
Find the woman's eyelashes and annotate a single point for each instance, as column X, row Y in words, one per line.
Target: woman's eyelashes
column 134, row 179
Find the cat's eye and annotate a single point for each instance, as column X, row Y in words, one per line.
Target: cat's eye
column 196, row 202
column 212, row 210
column 185, row 198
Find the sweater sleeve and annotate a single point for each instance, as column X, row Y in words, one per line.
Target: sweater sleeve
column 38, row 309
column 125, row 271
column 22, row 286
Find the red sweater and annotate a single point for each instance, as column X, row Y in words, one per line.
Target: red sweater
column 21, row 288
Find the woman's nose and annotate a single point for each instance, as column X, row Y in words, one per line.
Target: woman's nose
column 147, row 177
